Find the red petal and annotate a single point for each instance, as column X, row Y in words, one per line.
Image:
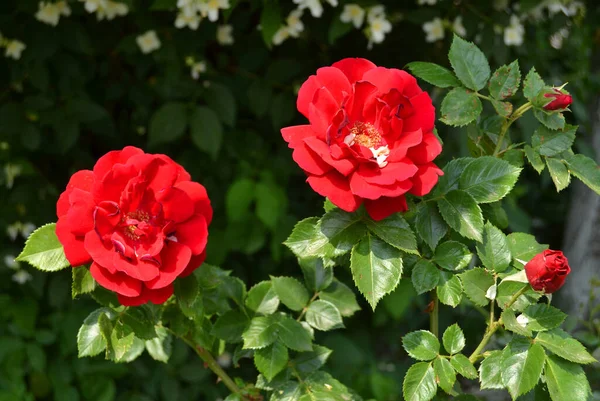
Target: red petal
column 114, row 182
column 72, row 245
column 80, row 217
column 118, row 282
column 366, row 190
column 399, row 149
column 195, row 263
column 176, row 204
column 424, row 117
column 135, row 268
column 182, row 175
column 344, row 166
column 309, row 161
column 193, row 233
column 198, row 195
column 175, row 258
column 297, row 133
column 362, row 102
column 83, row 180
column 106, row 162
column 160, row 174
column 335, row 81
column 335, row 186
column 381, row 208
column 157, row 297
column 306, row 94
column 426, row 151
column 393, row 172
column 101, row 252
column 387, row 78
column 425, row 179
column 354, row 68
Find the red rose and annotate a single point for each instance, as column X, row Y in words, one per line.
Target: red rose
column 561, row 100
column 139, row 220
column 547, row 271
column 370, row 136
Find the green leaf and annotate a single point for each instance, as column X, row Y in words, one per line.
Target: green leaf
column 43, row 250
column 376, row 268
column 505, row 81
column 452, row 255
column 395, row 231
column 83, row 282
column 522, row 364
column 462, row 214
column 459, row 107
column 260, row 91
column 270, row 20
column 559, row 173
column 307, row 240
column 433, row 74
column 488, row 179
column 270, row 203
column 271, row 360
column 452, row 172
column 419, row 382
column 445, row 375
column 342, row 229
column 453, row 339
column 206, row 130
column 507, row 289
column 323, row 315
column 262, row 298
column 449, row 290
column 566, row 380
column 550, row 142
column 230, row 326
column 563, row 345
column 534, row 159
column 291, row 292
column 289, row 391
column 260, row 333
column 476, row 283
column 90, row 341
column 553, row 120
column 160, row 348
column 421, row 345
column 503, row 109
column 524, row 246
column 510, row 323
column 490, row 371
column 316, row 276
column 463, row 366
column 187, row 293
column 337, row 29
column 122, row 340
column 222, row 101
column 240, row 196
column 310, row 361
column 495, row 214
column 586, row 170
column 293, row 334
column 168, row 123
column 494, row 252
column 532, row 84
column 425, row 276
column 342, row 297
column 469, row 63
column 429, row 224
column 543, row 317
column 140, row 320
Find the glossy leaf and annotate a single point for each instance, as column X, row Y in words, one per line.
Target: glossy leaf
column 462, row 214
column 488, row 179
column 433, row 74
column 469, row 63
column 421, row 345
column 43, row 250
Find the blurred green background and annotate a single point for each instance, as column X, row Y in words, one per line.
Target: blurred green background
column 84, row 87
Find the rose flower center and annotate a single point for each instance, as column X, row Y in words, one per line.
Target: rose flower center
column 135, row 224
column 365, row 134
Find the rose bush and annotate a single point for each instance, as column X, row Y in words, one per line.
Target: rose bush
column 140, row 222
column 547, row 271
column 370, row 139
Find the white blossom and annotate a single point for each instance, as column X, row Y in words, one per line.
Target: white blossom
column 27, row 229
column 49, row 13
column 10, row 262
column 192, row 21
column 315, row 6
column 197, row 69
column 211, row 8
column 434, row 30
column 428, row 2
column 376, row 12
column 294, row 22
column 14, row 48
column 281, row 35
column 378, row 28
column 148, row 42
column 111, row 9
column 225, row 35
column 514, row 33
column 458, row 27
column 21, row 277
column 353, row 13
column 92, row 5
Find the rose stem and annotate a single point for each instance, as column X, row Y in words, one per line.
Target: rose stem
column 434, row 323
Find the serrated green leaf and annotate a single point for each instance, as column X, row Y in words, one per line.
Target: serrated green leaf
column 495, row 214
column 270, row 20
column 425, row 276
column 566, row 380
column 160, row 348
column 549, row 142
column 323, row 315
column 395, row 231
column 488, row 179
column 505, row 81
column 469, row 63
column 206, row 130
column 293, row 334
column 43, row 250
column 524, row 247
column 512, row 324
column 271, row 360
column 462, row 214
column 342, row 229
column 429, row 224
column 522, row 364
column 376, row 268
column 83, row 282
column 559, row 173
column 316, row 276
column 310, row 361
column 306, row 241
column 289, row 391
column 261, row 333
column 553, row 120
column 230, row 326
column 262, row 298
column 421, row 345
column 140, row 320
column 543, row 317
column 168, row 123
column 122, row 340
column 449, row 290
column 493, row 251
column 460, row 106
column 90, row 341
column 452, row 172
column 586, row 170
column 342, row 297
column 534, row 159
column 565, row 346
column 187, row 292
column 490, row 371
column 419, row 382
column 452, row 255
column 503, row 109
column 507, row 289
column 453, row 339
column 532, row 84
column 445, row 375
column 291, row 292
column 433, row 74
column 476, row 283
column 463, row 366
column 134, row 351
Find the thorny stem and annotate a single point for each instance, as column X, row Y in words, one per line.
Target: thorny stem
column 434, row 323
column 306, row 307
column 494, row 326
column 514, row 117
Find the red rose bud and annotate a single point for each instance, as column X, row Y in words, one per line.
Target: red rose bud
column 547, row 271
column 139, row 220
column 561, row 100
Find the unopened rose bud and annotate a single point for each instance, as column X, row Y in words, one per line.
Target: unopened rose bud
column 547, row 271
column 554, row 99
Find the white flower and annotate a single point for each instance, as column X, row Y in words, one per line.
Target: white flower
column 458, row 27
column 197, row 69
column 353, row 13
column 281, row 35
column 211, row 8
column 148, row 42
column 27, row 229
column 49, row 13
column 14, row 48
column 434, row 30
column 12, row 171
column 225, row 35
column 110, row 10
column 294, row 23
column 10, row 262
column 378, row 28
column 376, row 12
column 500, row 5
column 429, row 2
column 315, row 6
column 13, row 230
column 192, row 21
column 556, row 40
column 573, row 8
column 21, row 277
column 513, row 34
column 92, row 5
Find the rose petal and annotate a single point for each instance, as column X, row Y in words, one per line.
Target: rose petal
column 118, row 282
column 386, row 79
column 309, row 161
column 176, row 204
column 83, row 180
column 424, row 116
column 73, row 245
column 107, row 162
column 195, row 262
column 100, row 251
column 366, row 190
column 344, row 166
column 381, row 208
column 193, row 233
column 426, row 151
column 297, row 133
column 157, row 297
column 136, row 268
column 175, row 258
column 425, row 179
column 335, row 186
column 306, row 94
column 198, row 195
column 354, row 68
